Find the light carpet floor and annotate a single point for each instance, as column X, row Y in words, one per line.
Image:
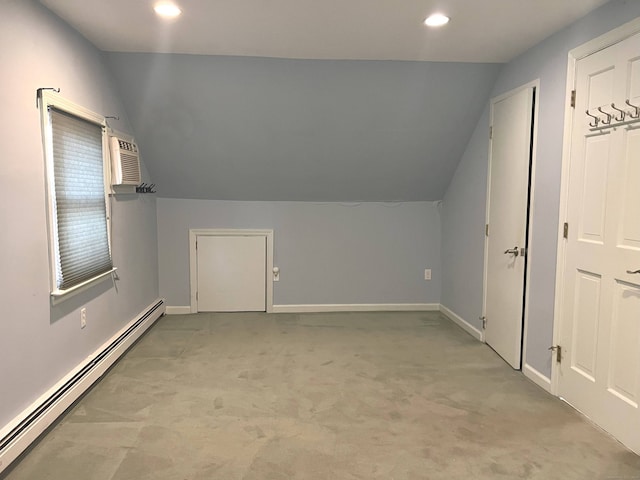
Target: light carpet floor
column 390, row 396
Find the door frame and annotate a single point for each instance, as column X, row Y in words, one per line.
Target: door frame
column 608, row 39
column 194, row 233
column 524, row 366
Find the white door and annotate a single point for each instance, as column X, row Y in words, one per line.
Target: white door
column 231, row 273
column 508, row 197
column 600, row 318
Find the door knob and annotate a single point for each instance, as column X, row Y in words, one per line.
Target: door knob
column 512, row 251
column 633, row 272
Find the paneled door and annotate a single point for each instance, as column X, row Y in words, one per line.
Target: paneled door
column 508, row 197
column 600, row 318
column 231, row 273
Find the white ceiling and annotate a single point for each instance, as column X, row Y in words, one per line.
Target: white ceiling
column 480, row 30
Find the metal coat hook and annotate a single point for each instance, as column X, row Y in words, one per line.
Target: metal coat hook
column 637, row 115
column 39, row 92
column 596, row 120
column 623, row 114
column 609, row 116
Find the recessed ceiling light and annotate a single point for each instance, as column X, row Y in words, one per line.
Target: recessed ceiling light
column 168, row 10
column 436, row 20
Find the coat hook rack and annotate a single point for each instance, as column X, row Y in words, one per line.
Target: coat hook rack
column 609, row 116
column 637, row 114
column 596, row 120
column 144, row 188
column 623, row 114
column 39, row 92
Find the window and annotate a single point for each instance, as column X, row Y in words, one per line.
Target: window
column 74, row 140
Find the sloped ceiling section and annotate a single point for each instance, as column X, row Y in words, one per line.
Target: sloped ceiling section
column 480, row 31
column 247, row 128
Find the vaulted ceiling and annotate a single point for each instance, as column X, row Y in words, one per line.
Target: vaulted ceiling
column 344, row 117
column 492, row 31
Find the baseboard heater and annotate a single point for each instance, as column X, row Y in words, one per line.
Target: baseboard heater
column 63, row 396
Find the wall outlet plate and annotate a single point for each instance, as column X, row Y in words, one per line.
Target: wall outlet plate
column 83, row 317
column 427, row 274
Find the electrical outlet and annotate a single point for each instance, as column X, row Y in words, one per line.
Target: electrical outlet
column 83, row 317
column 427, row 274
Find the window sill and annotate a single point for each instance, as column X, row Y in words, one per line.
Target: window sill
column 58, row 296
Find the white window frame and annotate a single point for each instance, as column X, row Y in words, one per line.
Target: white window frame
column 50, row 99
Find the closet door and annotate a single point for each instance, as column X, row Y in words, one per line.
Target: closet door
column 505, row 264
column 600, row 333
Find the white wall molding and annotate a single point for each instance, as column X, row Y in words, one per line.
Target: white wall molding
column 178, row 309
column 462, row 323
column 42, row 413
column 357, row 307
column 536, row 377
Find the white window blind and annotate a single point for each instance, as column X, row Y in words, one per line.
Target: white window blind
column 79, row 203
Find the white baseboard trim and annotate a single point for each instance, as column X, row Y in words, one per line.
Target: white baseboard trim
column 357, row 307
column 24, row 429
column 462, row 323
column 178, row 310
column 536, row 377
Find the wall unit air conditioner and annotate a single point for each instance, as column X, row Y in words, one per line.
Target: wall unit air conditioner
column 125, row 162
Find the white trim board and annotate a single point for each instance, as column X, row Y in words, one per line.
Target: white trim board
column 462, row 323
column 593, row 46
column 357, row 307
column 178, row 310
column 536, row 377
column 50, row 412
column 194, row 233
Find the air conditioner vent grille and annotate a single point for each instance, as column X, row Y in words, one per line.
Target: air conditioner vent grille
column 125, row 162
column 130, row 168
column 128, row 146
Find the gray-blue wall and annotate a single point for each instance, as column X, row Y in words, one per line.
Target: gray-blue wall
column 328, row 253
column 272, row 129
column 463, row 221
column 464, row 202
column 39, row 344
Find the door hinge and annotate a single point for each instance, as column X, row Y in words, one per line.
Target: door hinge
column 565, row 232
column 486, row 230
column 196, row 296
column 573, row 98
column 484, row 322
column 490, row 133
column 558, row 350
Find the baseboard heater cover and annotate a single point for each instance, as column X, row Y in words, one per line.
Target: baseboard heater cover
column 38, row 413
